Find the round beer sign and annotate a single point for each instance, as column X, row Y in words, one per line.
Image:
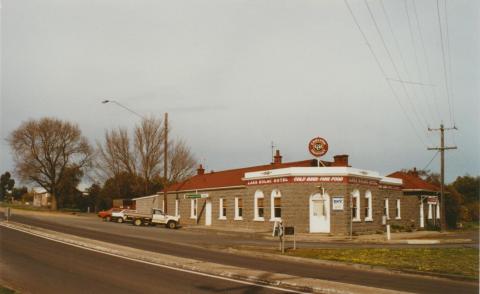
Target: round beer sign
column 318, row 146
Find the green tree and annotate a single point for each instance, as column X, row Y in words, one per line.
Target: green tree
column 6, row 184
column 469, row 187
column 68, row 194
column 18, row 193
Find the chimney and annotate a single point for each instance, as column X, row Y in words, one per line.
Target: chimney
column 200, row 170
column 414, row 172
column 340, row 160
column 277, row 159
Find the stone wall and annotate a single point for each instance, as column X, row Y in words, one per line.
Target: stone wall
column 295, row 207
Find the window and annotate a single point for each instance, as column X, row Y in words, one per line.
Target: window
column 238, row 208
column 193, row 208
column 276, row 205
column 222, row 209
column 356, row 206
column 258, row 206
column 368, row 206
column 385, row 209
column 397, row 211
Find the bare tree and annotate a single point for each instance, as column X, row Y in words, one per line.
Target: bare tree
column 149, row 147
column 44, row 149
column 144, row 161
column 182, row 163
column 116, row 155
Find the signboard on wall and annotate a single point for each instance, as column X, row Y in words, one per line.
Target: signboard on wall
column 337, row 203
column 432, row 200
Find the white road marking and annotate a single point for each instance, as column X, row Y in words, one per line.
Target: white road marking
column 155, row 264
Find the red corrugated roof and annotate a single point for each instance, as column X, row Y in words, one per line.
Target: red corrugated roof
column 414, row 182
column 233, row 177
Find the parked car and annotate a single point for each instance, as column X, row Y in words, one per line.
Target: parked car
column 157, row 216
column 106, row 215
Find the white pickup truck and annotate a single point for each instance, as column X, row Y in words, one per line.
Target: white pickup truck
column 157, row 216
column 120, row 216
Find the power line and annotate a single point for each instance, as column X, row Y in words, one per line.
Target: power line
column 449, row 62
column 382, row 70
column 393, row 62
column 429, row 74
column 417, row 64
column 431, row 160
column 447, row 88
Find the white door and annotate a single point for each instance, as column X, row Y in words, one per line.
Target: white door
column 208, row 213
column 319, row 213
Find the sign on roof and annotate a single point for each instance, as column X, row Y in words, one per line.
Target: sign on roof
column 196, row 195
column 318, row 146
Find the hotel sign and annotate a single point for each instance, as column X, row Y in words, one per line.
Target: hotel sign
column 318, row 146
column 283, row 180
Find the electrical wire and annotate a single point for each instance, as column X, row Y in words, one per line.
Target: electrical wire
column 417, row 64
column 429, row 74
column 382, row 70
column 447, row 88
column 377, row 28
column 431, row 160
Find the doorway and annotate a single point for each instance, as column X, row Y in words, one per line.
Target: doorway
column 319, row 213
column 208, row 212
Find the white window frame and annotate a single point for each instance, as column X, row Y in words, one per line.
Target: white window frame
column 193, row 208
column 221, row 216
column 398, row 213
column 386, row 208
column 237, row 215
column 275, row 194
column 356, row 198
column 258, row 195
column 176, row 207
column 369, row 216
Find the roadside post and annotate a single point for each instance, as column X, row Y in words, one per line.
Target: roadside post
column 387, row 226
column 279, row 230
column 8, row 213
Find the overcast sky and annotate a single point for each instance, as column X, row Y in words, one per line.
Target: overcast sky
column 235, row 75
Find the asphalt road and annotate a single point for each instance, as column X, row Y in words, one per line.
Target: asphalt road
column 110, row 233
column 31, row 264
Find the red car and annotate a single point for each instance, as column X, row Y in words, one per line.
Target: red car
column 106, row 215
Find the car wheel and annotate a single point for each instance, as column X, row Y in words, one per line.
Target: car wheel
column 137, row 222
column 120, row 220
column 108, row 218
column 172, row 225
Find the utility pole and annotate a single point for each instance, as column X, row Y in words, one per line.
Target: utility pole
column 442, row 148
column 165, row 163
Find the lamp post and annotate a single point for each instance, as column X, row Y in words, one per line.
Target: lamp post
column 123, row 106
column 165, row 147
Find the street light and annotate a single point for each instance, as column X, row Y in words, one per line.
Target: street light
column 123, row 106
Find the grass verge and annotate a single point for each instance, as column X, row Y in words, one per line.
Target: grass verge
column 454, row 261
column 4, row 290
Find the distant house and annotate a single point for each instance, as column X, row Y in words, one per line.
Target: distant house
column 41, row 198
